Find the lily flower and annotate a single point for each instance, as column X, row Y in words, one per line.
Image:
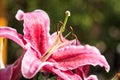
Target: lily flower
column 67, row 59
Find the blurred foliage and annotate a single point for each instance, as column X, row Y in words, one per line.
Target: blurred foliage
column 96, row 22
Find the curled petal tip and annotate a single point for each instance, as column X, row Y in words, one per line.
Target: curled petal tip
column 20, row 14
column 108, row 69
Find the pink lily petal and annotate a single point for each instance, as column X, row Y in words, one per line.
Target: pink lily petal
column 82, row 71
column 63, row 75
column 71, row 57
column 31, row 63
column 36, row 28
column 37, row 40
column 13, row 35
column 11, row 72
column 5, row 74
column 92, row 77
column 19, row 16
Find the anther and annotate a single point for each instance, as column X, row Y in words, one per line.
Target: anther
column 71, row 29
column 76, row 38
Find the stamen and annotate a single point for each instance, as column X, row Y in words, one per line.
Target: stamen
column 60, row 36
column 57, row 28
column 76, row 38
column 58, row 31
column 65, row 21
column 48, row 53
column 61, row 22
column 67, row 34
column 71, row 29
column 74, row 35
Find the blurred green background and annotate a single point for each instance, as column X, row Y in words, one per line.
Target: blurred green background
column 95, row 22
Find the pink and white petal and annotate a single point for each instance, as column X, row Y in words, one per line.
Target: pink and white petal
column 82, row 71
column 72, row 57
column 52, row 39
column 75, row 42
column 5, row 74
column 36, row 28
column 91, row 77
column 63, row 75
column 13, row 35
column 67, row 75
column 20, row 14
column 12, row 72
column 31, row 63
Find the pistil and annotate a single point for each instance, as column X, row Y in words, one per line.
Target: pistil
column 65, row 21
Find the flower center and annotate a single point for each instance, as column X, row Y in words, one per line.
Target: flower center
column 58, row 40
